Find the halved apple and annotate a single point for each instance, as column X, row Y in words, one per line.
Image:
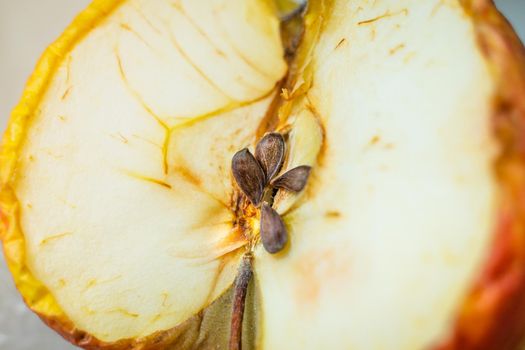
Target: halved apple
column 124, row 226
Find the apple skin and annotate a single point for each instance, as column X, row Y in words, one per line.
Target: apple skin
column 492, row 316
column 184, row 336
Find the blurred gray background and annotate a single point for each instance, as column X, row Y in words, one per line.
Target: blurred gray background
column 26, row 28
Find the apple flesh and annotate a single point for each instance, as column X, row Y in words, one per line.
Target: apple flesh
column 401, row 207
column 409, row 113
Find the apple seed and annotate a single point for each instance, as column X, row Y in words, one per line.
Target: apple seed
column 270, row 154
column 255, row 176
column 293, row 180
column 273, row 232
column 249, row 175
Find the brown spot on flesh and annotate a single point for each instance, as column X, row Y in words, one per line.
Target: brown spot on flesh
column 187, row 175
column 375, row 140
column 123, row 312
column 388, row 14
column 95, row 282
column 333, row 214
column 128, row 29
column 164, row 150
column 61, row 283
column 120, row 137
column 53, row 238
column 397, row 48
column 149, row 179
column 409, row 57
column 68, row 69
column 66, row 93
column 341, row 43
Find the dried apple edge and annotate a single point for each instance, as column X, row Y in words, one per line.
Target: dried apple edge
column 492, row 315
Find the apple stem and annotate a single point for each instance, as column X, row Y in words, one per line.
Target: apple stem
column 239, row 299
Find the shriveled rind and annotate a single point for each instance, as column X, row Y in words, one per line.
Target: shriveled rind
column 206, row 330
column 493, row 315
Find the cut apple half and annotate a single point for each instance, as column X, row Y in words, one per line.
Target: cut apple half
column 381, row 210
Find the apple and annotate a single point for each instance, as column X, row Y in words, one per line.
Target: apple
column 227, row 174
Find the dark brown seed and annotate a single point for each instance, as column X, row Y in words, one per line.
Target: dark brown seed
column 249, row 175
column 273, row 232
column 293, row 180
column 270, row 154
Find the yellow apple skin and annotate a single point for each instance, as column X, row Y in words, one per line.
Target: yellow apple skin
column 492, row 317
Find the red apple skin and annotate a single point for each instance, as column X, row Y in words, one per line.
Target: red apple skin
column 493, row 315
